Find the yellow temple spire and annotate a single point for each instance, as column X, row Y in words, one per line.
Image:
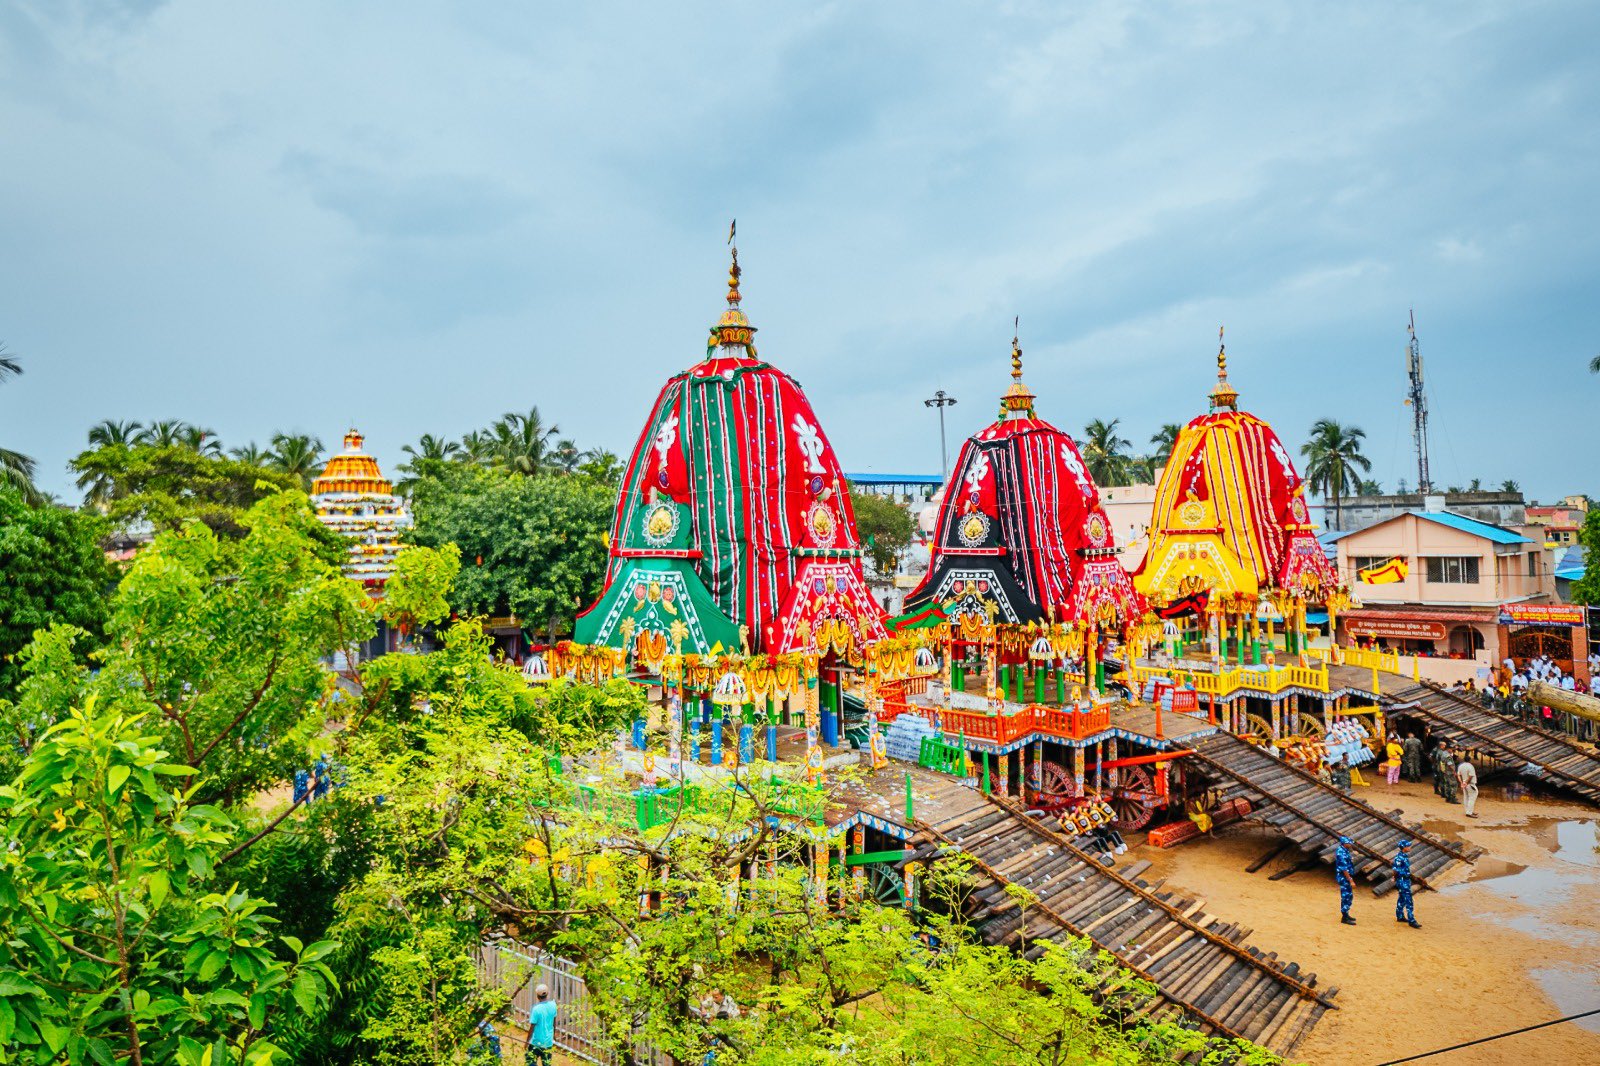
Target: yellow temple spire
column 1017, row 398
column 1224, row 395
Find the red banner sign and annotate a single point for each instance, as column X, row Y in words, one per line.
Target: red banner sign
column 1394, row 627
column 1559, row 614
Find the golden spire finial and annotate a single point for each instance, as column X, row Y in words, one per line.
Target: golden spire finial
column 1224, row 395
column 1016, row 398
column 733, row 328
column 1016, row 351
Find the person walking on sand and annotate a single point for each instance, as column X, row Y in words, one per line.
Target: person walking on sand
column 1403, row 910
column 1344, row 872
column 1467, row 777
column 1411, row 758
column 542, row 1028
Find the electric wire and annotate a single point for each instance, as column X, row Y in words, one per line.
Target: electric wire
column 1487, row 1039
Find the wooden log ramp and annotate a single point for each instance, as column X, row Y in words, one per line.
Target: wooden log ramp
column 1314, row 815
column 1529, row 750
column 1207, row 977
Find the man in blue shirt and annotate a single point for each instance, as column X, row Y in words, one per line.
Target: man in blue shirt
column 1344, row 872
column 542, row 1028
column 1403, row 910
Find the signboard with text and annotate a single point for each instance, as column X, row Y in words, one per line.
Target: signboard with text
column 1544, row 614
column 1394, row 628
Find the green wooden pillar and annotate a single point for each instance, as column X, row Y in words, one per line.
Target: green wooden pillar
column 1061, row 684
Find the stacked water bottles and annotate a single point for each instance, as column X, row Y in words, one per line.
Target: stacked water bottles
column 1347, row 739
column 904, row 737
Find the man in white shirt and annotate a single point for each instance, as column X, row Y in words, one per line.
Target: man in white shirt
column 1519, row 681
column 1467, row 777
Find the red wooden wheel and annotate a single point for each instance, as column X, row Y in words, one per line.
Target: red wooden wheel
column 1134, row 799
column 1058, row 789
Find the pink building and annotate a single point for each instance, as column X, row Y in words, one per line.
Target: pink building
column 1470, row 590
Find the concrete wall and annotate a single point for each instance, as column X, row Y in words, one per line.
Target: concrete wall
column 1502, row 570
column 1359, row 512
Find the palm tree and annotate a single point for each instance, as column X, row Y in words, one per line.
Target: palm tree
column 1594, row 365
column 478, row 447
column 203, row 441
column 431, row 449
column 567, row 456
column 253, row 454
column 1106, row 453
column 167, row 433
column 104, row 434
column 16, row 469
column 428, row 455
column 1366, row 487
column 1164, row 439
column 602, row 466
column 297, row 454
column 1510, row 486
column 1334, row 461
column 1475, row 485
column 523, row 443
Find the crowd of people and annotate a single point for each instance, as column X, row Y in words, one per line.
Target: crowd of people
column 1510, row 678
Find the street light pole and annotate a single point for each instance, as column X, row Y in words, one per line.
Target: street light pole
column 941, row 401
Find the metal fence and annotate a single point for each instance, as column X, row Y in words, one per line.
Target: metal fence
column 520, row 969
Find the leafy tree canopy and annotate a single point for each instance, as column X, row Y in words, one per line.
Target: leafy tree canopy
column 219, row 642
column 121, row 945
column 54, row 573
column 1587, row 588
column 533, row 547
column 886, row 528
column 165, row 486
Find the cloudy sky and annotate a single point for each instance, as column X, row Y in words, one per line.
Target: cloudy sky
column 414, row 217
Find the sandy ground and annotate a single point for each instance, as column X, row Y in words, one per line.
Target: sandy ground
column 1509, row 942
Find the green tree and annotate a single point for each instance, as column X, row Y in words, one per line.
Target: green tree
column 16, row 469
column 427, row 457
column 112, row 431
column 167, row 433
column 1368, row 487
column 602, row 466
column 524, row 444
column 118, row 946
column 1164, row 439
column 1587, row 588
column 885, row 526
column 253, row 454
column 298, row 455
column 1334, row 461
column 1510, row 486
column 167, row 485
column 221, row 643
column 1105, row 453
column 54, row 573
column 533, row 547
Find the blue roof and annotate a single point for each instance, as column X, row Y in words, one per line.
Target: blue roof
column 893, row 479
column 1497, row 534
column 1570, row 573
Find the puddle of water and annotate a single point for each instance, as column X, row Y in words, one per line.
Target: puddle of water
column 1544, row 890
column 1486, row 869
column 1578, row 842
column 1572, row 991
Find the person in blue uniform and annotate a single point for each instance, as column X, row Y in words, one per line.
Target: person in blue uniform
column 1344, row 872
column 1403, row 910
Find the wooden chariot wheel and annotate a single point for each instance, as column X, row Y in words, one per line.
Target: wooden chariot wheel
column 1057, row 789
column 885, row 885
column 1134, row 799
column 1259, row 728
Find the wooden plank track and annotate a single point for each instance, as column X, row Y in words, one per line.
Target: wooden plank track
column 1527, row 749
column 1207, row 976
column 1314, row 815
